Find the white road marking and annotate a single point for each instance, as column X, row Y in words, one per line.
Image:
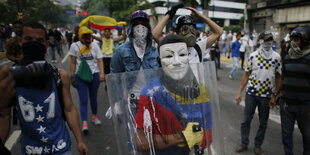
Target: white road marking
column 12, row 139
column 65, row 58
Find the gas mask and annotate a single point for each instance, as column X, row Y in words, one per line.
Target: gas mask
column 189, row 34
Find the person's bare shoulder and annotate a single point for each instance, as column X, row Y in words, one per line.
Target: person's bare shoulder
column 64, row 76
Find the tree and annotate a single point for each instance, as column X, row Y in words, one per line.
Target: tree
column 35, row 10
column 192, row 3
column 118, row 9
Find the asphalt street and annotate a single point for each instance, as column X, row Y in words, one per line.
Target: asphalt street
column 101, row 139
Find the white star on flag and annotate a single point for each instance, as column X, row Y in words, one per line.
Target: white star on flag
column 46, row 150
column 41, row 129
column 150, row 92
column 156, row 88
column 38, row 108
column 165, row 90
column 44, row 140
column 40, row 119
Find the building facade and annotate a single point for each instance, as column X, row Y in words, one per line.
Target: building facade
column 223, row 12
column 280, row 16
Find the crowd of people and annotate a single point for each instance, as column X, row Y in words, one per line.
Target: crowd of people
column 268, row 76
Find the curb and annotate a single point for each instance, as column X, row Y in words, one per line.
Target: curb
column 2, row 55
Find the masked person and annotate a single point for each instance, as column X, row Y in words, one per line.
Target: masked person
column 137, row 53
column 186, row 27
column 87, row 70
column 262, row 76
column 172, row 105
column 107, row 47
column 295, row 99
column 42, row 104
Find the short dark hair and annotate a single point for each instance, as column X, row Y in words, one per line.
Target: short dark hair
column 34, row 25
column 171, row 38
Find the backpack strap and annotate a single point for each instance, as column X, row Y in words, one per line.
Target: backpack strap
column 197, row 48
column 58, row 81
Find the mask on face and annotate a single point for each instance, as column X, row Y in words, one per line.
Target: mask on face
column 189, row 34
column 140, row 32
column 32, row 51
column 266, row 45
column 174, row 60
column 178, row 77
column 266, row 49
column 139, row 39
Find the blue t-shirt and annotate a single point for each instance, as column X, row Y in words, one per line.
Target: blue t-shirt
column 43, row 128
column 235, row 49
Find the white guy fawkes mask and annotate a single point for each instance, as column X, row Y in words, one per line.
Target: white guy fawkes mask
column 174, row 59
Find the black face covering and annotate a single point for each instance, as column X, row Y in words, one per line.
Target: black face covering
column 187, row 87
column 32, row 51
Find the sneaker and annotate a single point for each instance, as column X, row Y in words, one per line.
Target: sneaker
column 85, row 128
column 258, row 150
column 230, row 76
column 241, row 148
column 96, row 121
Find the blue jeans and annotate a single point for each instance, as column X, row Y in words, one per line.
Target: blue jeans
column 263, row 113
column 83, row 95
column 289, row 113
column 59, row 49
column 234, row 70
column 52, row 52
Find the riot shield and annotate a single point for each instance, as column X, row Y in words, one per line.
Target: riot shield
column 166, row 116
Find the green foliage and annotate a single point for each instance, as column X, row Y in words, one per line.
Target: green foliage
column 36, row 10
column 118, row 9
column 192, row 3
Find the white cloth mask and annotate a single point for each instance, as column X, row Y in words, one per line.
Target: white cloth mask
column 266, row 49
column 174, row 59
column 139, row 39
column 266, row 45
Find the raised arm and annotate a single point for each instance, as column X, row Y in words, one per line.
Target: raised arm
column 160, row 26
column 124, row 36
column 217, row 30
column 97, row 38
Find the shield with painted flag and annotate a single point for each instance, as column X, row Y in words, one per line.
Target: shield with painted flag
column 155, row 114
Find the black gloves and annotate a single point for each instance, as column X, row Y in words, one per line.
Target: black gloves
column 73, row 81
column 174, row 9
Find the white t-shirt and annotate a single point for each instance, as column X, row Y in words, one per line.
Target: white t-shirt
column 193, row 54
column 251, row 43
column 262, row 79
column 95, row 40
column 244, row 44
column 91, row 59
